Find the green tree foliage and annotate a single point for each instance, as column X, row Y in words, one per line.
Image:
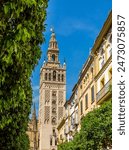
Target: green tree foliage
column 96, row 130
column 21, row 27
column 66, row 146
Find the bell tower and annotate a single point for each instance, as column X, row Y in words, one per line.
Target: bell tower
column 53, row 50
column 52, row 96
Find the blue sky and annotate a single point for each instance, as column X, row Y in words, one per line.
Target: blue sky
column 76, row 24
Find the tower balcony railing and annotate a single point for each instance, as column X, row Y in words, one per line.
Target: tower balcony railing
column 105, row 90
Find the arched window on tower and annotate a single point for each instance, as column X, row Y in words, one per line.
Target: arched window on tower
column 53, row 102
column 50, row 140
column 54, row 121
column 58, row 77
column 53, row 93
column 54, row 132
column 53, row 57
column 49, row 76
column 56, row 45
column 62, row 78
column 55, row 141
column 50, row 45
column 54, row 111
column 45, row 76
column 54, row 75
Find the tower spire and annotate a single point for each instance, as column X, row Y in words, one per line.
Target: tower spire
column 34, row 117
column 53, row 42
column 34, row 110
column 53, row 50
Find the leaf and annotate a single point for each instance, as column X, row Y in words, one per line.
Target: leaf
column 19, row 26
column 6, row 8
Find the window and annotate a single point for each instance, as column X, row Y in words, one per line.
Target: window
column 49, row 76
column 81, row 106
column 50, row 140
column 53, row 121
column 110, row 51
column 101, row 57
column 54, row 75
column 54, row 133
column 110, row 73
column 45, row 76
column 102, row 61
column 53, row 102
column 62, row 78
column 54, row 111
column 55, row 141
column 53, row 93
column 110, row 39
column 84, row 81
column 58, row 77
column 86, row 101
column 92, row 94
column 72, row 120
column 102, row 83
column 53, row 57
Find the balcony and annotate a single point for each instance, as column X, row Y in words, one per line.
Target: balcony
column 104, row 93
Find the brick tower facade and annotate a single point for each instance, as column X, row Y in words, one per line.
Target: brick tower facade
column 52, row 96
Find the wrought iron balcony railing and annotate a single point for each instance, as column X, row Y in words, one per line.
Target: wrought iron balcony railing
column 104, row 90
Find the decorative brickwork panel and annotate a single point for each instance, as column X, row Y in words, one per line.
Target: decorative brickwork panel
column 60, row 112
column 47, row 96
column 60, row 98
column 46, row 114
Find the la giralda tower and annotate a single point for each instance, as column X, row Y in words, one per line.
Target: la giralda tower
column 52, row 96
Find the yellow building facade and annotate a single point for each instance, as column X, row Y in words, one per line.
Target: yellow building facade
column 93, row 86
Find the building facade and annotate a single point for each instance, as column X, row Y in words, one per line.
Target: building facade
column 32, row 131
column 59, row 119
column 52, row 96
column 94, row 84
